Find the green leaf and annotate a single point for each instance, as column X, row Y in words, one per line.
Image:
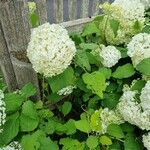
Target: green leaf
column 92, row 142
column 95, row 82
column 60, row 81
column 71, row 128
column 31, row 141
column 82, row 60
column 124, row 71
column 115, row 130
column 28, row 90
column 114, row 24
column 90, row 29
column 131, row 143
column 123, row 51
column 105, row 140
column 90, row 46
column 106, row 72
column 143, row 66
column 13, row 102
column 138, row 85
column 29, row 118
column 10, row 129
column 66, row 108
column 83, row 125
column 146, row 29
column 47, row 144
column 137, row 26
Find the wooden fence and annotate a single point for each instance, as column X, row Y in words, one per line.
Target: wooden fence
column 15, row 32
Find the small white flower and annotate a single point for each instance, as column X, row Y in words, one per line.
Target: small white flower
column 146, row 3
column 66, row 90
column 139, row 48
column 2, row 111
column 110, row 56
column 145, row 97
column 146, row 141
column 50, row 49
column 32, row 7
column 12, row 146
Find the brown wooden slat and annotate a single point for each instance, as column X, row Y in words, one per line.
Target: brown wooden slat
column 72, row 9
column 41, row 10
column 85, row 9
column 58, row 11
column 95, row 7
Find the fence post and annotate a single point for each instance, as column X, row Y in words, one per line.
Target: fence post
column 16, row 33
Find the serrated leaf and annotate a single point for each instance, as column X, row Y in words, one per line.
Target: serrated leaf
column 143, row 66
column 123, row 51
column 95, row 82
column 63, row 80
column 131, row 143
column 138, row 85
column 82, row 60
column 90, row 29
column 10, row 129
column 114, row 24
column 124, row 71
column 66, row 108
column 83, row 125
column 71, row 128
column 92, row 142
column 29, row 118
column 106, row 72
column 115, row 130
column 28, row 90
column 90, row 46
column 146, row 29
column 13, row 102
column 105, row 140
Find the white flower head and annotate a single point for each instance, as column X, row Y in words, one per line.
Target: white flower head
column 133, row 10
column 66, row 90
column 12, row 146
column 110, row 56
column 145, row 97
column 2, row 111
column 132, row 112
column 146, row 141
column 32, row 7
column 50, row 49
column 139, row 48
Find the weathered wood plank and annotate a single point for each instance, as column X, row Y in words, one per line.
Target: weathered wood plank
column 5, row 63
column 72, row 6
column 58, row 11
column 95, row 7
column 85, row 9
column 16, row 29
column 76, row 25
column 41, row 10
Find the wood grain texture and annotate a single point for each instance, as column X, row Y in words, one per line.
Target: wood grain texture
column 95, row 7
column 58, row 11
column 72, row 9
column 85, row 9
column 16, row 32
column 5, row 63
column 41, row 10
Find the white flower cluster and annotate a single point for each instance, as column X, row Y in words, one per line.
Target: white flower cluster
column 2, row 111
column 146, row 141
column 108, row 117
column 50, row 49
column 110, row 56
column 139, row 48
column 102, row 118
column 66, row 90
column 12, row 146
column 126, row 12
column 133, row 10
column 145, row 97
column 132, row 111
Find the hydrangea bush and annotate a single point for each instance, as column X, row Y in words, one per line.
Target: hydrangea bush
column 95, row 85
